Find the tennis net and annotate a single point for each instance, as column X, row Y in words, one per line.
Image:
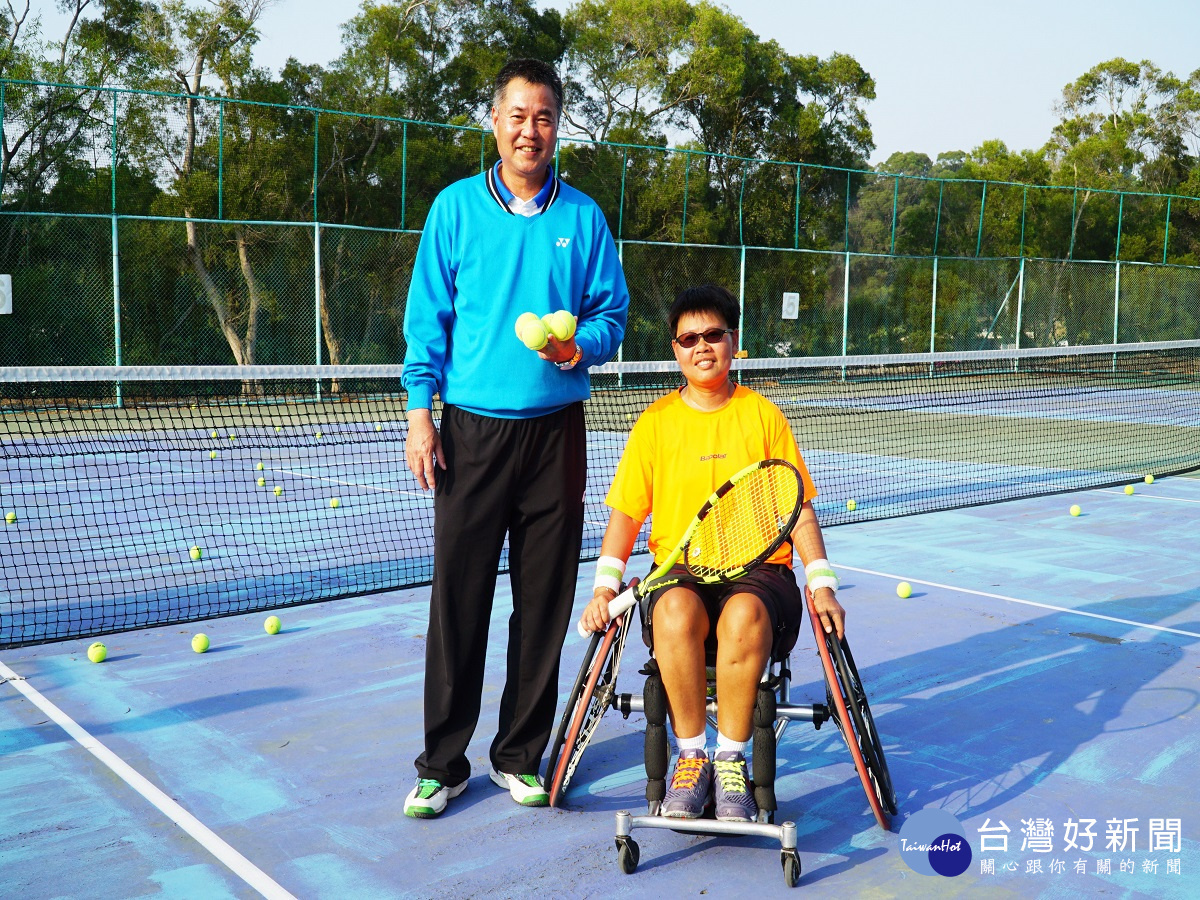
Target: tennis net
column 138, row 496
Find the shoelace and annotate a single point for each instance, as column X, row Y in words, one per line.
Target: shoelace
column 687, row 773
column 427, row 787
column 733, row 781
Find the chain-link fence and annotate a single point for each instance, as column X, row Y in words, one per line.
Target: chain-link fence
column 144, row 228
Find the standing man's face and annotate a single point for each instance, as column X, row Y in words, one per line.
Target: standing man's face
column 526, row 125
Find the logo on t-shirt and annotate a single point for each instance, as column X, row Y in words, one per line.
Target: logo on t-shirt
column 562, row 242
column 712, row 456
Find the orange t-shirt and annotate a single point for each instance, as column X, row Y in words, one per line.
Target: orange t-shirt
column 677, row 456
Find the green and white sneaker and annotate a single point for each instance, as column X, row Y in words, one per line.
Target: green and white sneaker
column 527, row 790
column 428, row 799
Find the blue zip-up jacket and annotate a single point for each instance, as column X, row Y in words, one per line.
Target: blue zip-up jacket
column 478, row 267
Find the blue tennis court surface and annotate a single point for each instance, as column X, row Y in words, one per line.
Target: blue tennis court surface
column 1040, row 684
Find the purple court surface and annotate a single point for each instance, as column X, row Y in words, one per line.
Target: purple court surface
column 1039, row 687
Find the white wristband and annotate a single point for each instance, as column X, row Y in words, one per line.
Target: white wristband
column 609, row 573
column 820, row 574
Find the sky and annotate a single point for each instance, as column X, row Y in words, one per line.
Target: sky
column 948, row 75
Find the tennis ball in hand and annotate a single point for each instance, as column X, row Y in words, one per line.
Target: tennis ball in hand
column 272, row 625
column 1129, row 488
column 531, row 331
column 560, row 323
column 10, row 517
column 97, row 653
column 1075, row 510
column 851, row 505
column 1149, row 479
column 195, row 553
column 200, row 643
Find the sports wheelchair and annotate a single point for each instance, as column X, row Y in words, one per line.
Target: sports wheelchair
column 595, row 692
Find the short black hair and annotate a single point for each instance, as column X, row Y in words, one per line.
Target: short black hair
column 532, row 70
column 701, row 299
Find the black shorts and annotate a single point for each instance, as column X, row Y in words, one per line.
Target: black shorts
column 775, row 585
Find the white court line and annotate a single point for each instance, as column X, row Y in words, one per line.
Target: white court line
column 233, row 860
column 353, row 484
column 1062, row 609
column 1154, row 496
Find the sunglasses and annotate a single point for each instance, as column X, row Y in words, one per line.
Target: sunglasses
column 690, row 339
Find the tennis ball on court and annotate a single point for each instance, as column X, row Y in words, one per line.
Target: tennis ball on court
column 97, row 653
column 904, row 590
column 318, row 435
column 262, row 481
column 1149, row 479
column 335, row 502
column 278, row 429
column 200, row 643
column 195, row 553
column 851, row 504
column 233, row 437
column 214, row 434
column 259, row 467
column 212, row 454
column 1129, row 488
column 272, row 625
column 559, row 323
column 278, row 490
column 379, row 428
column 1075, row 510
column 10, row 517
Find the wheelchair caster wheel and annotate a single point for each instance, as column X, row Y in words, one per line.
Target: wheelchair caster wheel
column 628, row 854
column 791, row 866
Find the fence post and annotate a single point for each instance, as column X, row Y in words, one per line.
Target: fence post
column 116, row 251
column 316, row 246
column 1020, row 304
column 621, row 208
column 1117, row 302
column 742, row 297
column 846, row 306
column 1167, row 230
column 687, row 171
column 796, row 227
column 933, row 311
column 220, row 160
column 403, row 173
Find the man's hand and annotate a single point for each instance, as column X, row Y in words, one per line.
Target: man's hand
column 832, row 616
column 557, row 351
column 423, row 447
column 595, row 615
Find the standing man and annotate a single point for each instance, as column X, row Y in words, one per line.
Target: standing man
column 511, row 455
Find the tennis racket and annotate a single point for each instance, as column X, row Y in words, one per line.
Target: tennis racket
column 740, row 526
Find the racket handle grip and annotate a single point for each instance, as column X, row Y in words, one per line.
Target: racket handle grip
column 616, row 606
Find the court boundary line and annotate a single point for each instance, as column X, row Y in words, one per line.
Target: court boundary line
column 193, row 827
column 1061, row 609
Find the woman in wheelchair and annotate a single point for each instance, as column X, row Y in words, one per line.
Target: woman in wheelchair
column 680, row 450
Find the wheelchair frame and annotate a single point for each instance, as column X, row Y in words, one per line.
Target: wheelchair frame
column 595, row 692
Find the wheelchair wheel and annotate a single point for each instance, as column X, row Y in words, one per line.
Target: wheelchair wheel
column 791, row 867
column 593, row 695
column 628, row 855
column 848, row 706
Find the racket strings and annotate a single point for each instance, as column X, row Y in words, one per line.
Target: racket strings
column 745, row 522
